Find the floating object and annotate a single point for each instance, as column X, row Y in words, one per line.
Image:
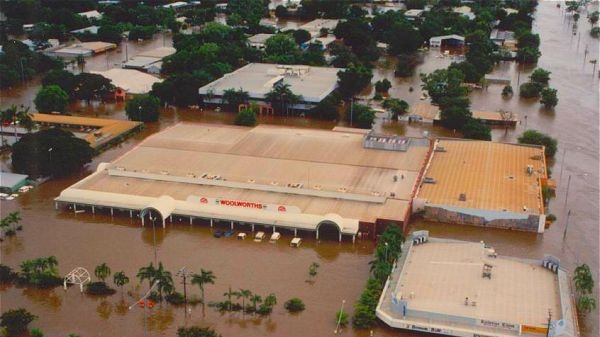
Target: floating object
column 228, row 234
column 259, row 236
column 14, row 195
column 241, row 236
column 295, row 242
column 9, row 198
column 80, row 211
column 275, row 236
column 148, row 303
column 218, row 234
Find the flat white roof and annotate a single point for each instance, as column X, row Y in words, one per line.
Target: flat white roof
column 317, row 24
column 313, row 83
column 91, row 29
column 9, row 180
column 91, row 14
column 132, row 81
column 438, row 276
column 259, row 38
column 159, row 52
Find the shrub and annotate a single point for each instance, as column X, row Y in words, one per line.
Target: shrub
column 475, row 129
column 196, row 331
column 246, row 117
column 551, row 217
column 175, row 298
column 99, row 288
column 383, row 85
column 530, row 89
column 16, row 321
column 6, row 274
column 540, row 75
column 549, row 97
column 595, row 32
column 35, row 332
column 294, row 305
column 537, row 138
column 507, row 90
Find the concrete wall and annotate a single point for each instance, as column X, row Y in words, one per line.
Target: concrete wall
column 507, row 220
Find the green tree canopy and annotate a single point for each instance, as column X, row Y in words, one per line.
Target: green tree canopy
column 475, row 129
column 354, row 79
column 549, row 97
column 248, row 12
column 16, row 321
column 282, row 49
column 362, row 116
column 51, row 99
column 540, row 75
column 537, row 138
column 196, row 331
column 102, row 271
column 143, row 108
column 51, row 152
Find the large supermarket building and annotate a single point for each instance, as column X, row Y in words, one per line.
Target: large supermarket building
column 276, row 177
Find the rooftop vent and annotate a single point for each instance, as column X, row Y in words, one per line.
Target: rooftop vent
column 429, row 180
column 251, row 181
column 317, row 187
column 274, row 183
column 342, row 189
column 462, row 197
column 440, row 149
column 164, row 173
column 191, row 175
column 296, row 185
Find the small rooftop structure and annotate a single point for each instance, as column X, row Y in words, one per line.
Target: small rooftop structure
column 464, row 11
column 314, row 27
column 413, row 14
column 485, row 183
column 459, row 288
column 91, row 15
column 177, row 5
column 501, row 37
column 429, row 113
column 132, row 81
column 84, row 49
column 11, row 182
column 90, row 29
column 510, row 11
column 313, row 83
column 452, row 40
column 258, row 41
column 96, row 131
column 144, row 61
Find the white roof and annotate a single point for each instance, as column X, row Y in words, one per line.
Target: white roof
column 91, row 29
column 446, row 37
column 259, row 38
column 91, row 14
column 9, row 180
column 413, row 12
column 159, row 52
column 132, row 81
column 313, row 83
column 176, row 4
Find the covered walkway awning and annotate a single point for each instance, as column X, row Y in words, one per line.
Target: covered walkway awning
column 168, row 206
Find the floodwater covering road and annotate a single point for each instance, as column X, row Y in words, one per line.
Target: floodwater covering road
column 88, row 240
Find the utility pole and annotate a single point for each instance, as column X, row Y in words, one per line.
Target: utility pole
column 549, row 322
column 567, row 225
column 351, row 109
column 183, row 273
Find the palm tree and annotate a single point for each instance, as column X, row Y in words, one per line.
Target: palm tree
column 255, row 299
column 235, row 97
column 586, row 304
column 270, row 300
column 3, row 118
column 244, row 294
column 25, row 119
column 584, row 281
column 102, row 271
column 282, row 96
column 228, row 294
column 147, row 273
column 51, row 263
column 205, row 277
column 120, row 279
column 165, row 279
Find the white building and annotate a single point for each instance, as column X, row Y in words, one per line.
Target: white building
column 258, row 79
column 259, row 41
column 131, row 81
column 91, row 15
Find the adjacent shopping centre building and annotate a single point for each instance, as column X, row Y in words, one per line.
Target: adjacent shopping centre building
column 355, row 181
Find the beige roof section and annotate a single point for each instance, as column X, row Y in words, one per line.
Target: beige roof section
column 432, row 112
column 106, row 129
column 159, row 52
column 440, row 275
column 493, row 176
column 132, row 81
column 336, row 174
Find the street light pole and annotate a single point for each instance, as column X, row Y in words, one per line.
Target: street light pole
column 143, row 299
column 337, row 328
column 154, row 238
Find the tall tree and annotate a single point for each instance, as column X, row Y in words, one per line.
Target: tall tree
column 120, row 279
column 51, row 99
column 246, row 12
column 354, row 79
column 51, row 152
column 102, row 271
column 205, row 277
column 143, row 108
column 281, row 97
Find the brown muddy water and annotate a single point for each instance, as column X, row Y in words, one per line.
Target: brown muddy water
column 88, row 240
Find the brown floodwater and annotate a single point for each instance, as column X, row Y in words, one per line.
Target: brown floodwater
column 88, row 240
